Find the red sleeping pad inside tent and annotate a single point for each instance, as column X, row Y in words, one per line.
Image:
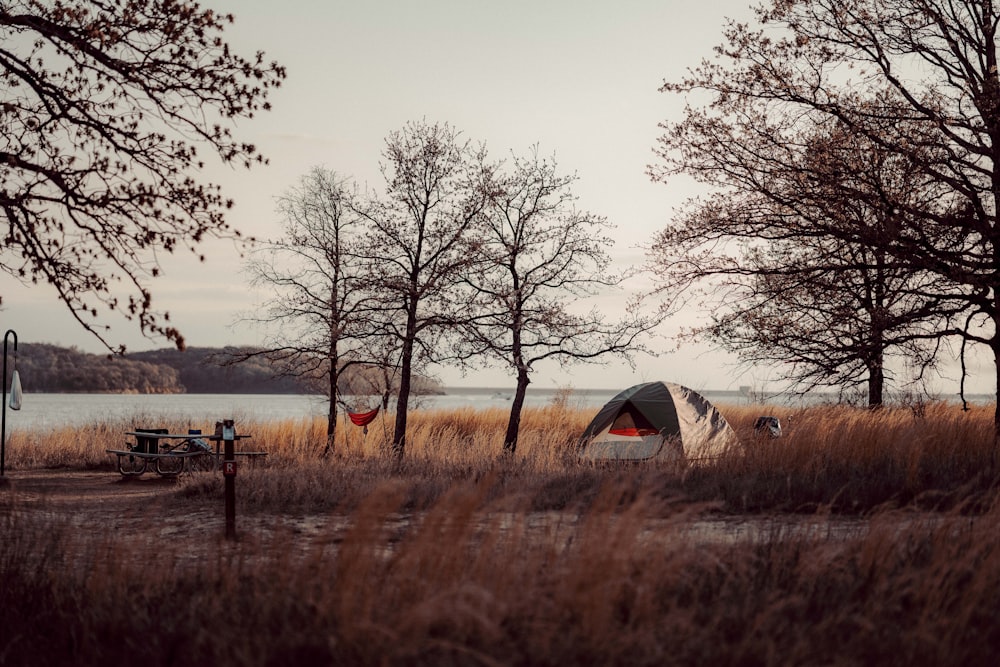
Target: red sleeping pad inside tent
column 633, row 431
column 630, row 422
column 362, row 418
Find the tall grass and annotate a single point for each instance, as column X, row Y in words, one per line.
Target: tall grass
column 837, row 458
column 459, row 555
column 471, row 581
column 854, row 459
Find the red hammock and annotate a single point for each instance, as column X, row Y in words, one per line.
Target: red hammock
column 362, row 418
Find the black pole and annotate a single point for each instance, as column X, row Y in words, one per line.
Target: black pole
column 3, row 419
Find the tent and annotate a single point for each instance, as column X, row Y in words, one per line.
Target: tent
column 659, row 421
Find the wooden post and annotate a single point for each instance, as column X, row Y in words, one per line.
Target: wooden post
column 229, row 473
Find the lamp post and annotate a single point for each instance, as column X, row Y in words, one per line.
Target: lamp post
column 3, row 419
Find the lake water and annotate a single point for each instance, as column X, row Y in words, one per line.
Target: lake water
column 41, row 411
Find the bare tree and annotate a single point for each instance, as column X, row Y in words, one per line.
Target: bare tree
column 104, row 108
column 834, row 315
column 781, row 288
column 918, row 78
column 316, row 317
column 420, row 240
column 541, row 258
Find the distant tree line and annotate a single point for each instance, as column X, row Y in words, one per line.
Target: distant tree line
column 50, row 368
column 54, row 369
column 200, row 371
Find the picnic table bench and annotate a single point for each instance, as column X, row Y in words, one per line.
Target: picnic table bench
column 170, row 453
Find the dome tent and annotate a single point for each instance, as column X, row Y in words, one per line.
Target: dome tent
column 657, row 421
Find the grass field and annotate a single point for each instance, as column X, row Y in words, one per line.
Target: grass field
column 458, row 555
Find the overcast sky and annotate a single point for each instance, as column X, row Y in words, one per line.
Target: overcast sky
column 578, row 78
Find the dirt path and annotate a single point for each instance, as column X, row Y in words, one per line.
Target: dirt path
column 83, row 491
column 145, row 512
column 148, row 512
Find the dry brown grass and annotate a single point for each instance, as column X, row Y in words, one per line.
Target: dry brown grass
column 855, row 460
column 457, row 555
column 837, row 458
column 473, row 580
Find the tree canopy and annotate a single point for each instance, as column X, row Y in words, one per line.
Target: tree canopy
column 917, row 79
column 820, row 308
column 104, row 109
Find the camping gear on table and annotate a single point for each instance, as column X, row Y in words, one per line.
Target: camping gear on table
column 658, row 421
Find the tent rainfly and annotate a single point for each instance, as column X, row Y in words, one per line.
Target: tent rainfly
column 657, row 421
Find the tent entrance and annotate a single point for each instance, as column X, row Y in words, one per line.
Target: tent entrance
column 631, row 422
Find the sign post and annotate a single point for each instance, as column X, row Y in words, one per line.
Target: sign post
column 226, row 432
column 229, row 474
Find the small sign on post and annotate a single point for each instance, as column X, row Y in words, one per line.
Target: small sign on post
column 225, row 432
column 228, row 434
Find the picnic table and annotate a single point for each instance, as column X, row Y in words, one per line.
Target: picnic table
column 170, row 453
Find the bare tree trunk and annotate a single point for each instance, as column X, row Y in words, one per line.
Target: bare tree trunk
column 995, row 346
column 991, row 86
column 403, row 400
column 331, row 416
column 876, row 382
column 514, row 423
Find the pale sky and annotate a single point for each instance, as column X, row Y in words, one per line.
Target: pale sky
column 578, row 78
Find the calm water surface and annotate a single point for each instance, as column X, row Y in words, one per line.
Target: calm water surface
column 41, row 411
